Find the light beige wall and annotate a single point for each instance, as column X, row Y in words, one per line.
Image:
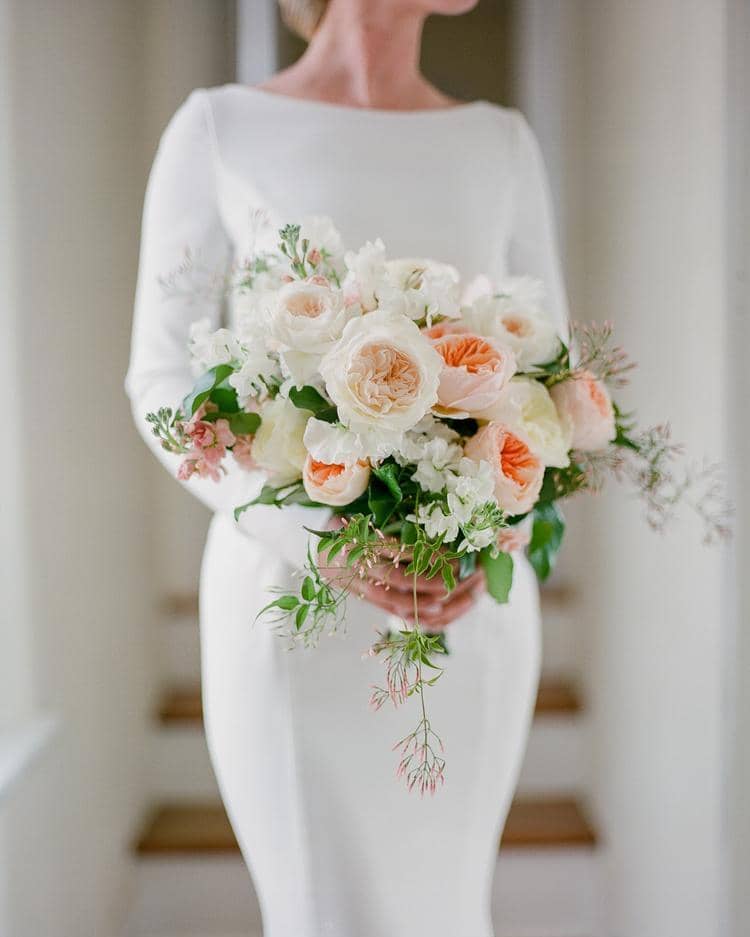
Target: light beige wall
column 87, row 84
column 631, row 98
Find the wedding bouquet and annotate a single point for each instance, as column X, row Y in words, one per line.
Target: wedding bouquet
column 442, row 425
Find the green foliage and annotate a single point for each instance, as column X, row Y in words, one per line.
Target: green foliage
column 244, row 424
column 384, row 493
column 279, row 497
column 546, row 537
column 204, row 386
column 498, row 571
column 308, row 398
column 165, row 426
column 562, row 483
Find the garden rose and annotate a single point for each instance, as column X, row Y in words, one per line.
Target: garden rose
column 382, row 374
column 307, row 315
column 586, row 410
column 526, row 408
column 335, row 484
column 518, row 473
column 277, row 445
column 513, row 314
column 475, row 371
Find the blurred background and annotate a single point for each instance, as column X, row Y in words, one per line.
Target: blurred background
column 631, row 818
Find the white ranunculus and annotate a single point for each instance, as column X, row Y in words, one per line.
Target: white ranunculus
column 526, row 408
column 307, row 316
column 382, row 374
column 278, row 447
column 209, row 347
column 514, row 314
column 427, row 288
column 366, row 277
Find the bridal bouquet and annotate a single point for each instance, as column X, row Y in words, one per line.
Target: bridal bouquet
column 442, row 425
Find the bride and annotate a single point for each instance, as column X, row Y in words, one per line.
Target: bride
column 335, row 846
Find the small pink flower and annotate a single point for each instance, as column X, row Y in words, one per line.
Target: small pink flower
column 200, row 467
column 586, row 410
column 511, row 539
column 243, row 453
column 518, row 472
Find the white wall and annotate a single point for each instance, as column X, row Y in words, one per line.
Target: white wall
column 633, row 97
column 84, row 86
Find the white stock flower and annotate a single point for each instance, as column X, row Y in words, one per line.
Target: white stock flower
column 514, row 315
column 526, row 408
column 367, row 273
column 278, row 447
column 307, row 316
column 335, row 444
column 209, row 347
column 382, row 375
column 300, row 367
column 257, row 372
column 425, row 288
column 323, row 236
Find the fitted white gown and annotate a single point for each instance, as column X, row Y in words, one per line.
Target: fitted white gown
column 335, row 844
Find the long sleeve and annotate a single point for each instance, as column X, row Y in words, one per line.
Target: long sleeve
column 533, row 244
column 181, row 212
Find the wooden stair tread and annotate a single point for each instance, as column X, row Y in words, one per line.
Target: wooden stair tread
column 183, row 706
column 203, row 828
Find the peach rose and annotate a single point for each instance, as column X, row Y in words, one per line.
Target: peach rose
column 518, row 472
column 446, row 327
column 475, row 371
column 335, row 485
column 511, row 539
column 586, row 411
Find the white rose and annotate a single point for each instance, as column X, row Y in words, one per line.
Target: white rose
column 334, row 484
column 513, row 314
column 526, row 408
column 278, row 447
column 307, row 316
column 428, row 288
column 382, row 374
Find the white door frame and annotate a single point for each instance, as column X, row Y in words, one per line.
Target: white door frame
column 257, row 27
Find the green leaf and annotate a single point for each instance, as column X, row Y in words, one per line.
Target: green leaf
column 286, row 603
column 388, row 474
column 308, row 398
column 546, row 537
column 308, row 589
column 290, row 494
column 203, row 387
column 408, row 533
column 244, row 424
column 467, row 565
column 299, row 618
column 498, row 571
column 225, row 399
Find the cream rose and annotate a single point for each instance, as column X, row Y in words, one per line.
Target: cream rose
column 307, row 315
column 586, row 411
column 513, row 314
column 335, row 484
column 475, row 371
column 526, row 408
column 277, row 446
column 518, row 473
column 382, row 374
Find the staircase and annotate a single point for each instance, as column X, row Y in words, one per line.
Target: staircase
column 191, row 881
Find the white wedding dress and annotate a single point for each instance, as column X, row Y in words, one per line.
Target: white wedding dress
column 335, row 844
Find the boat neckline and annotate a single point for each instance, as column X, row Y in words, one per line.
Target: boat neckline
column 314, row 103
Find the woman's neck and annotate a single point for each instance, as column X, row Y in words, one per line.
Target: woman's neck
column 363, row 54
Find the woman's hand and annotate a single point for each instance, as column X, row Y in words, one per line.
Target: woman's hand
column 388, row 586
